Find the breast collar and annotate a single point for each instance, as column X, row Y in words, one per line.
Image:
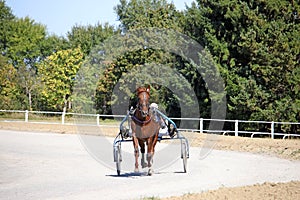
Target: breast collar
column 143, row 123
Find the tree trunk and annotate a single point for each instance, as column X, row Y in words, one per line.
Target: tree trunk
column 30, row 101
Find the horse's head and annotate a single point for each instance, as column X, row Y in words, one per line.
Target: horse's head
column 143, row 95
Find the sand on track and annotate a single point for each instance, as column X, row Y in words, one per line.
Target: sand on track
column 286, row 149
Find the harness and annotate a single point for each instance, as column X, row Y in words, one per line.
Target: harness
column 127, row 131
column 143, row 123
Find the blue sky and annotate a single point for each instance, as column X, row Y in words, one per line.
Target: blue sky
column 60, row 15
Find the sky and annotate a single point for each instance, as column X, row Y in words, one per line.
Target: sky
column 60, row 16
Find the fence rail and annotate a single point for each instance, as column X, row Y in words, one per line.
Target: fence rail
column 95, row 121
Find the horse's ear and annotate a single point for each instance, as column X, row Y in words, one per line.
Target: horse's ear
column 148, row 88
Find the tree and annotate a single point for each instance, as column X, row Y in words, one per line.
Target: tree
column 87, row 37
column 257, row 47
column 148, row 13
column 140, row 15
column 52, row 44
column 24, row 39
column 8, row 85
column 57, row 74
column 6, row 17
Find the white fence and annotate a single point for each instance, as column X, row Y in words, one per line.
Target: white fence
column 95, row 121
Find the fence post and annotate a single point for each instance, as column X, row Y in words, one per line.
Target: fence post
column 98, row 122
column 201, row 125
column 63, row 117
column 236, row 128
column 26, row 115
column 272, row 129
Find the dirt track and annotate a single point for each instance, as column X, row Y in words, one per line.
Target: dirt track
column 265, row 191
column 287, row 149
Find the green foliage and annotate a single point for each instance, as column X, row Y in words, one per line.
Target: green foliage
column 22, row 47
column 8, row 86
column 51, row 44
column 57, row 74
column 256, row 44
column 24, row 41
column 28, row 83
column 5, row 17
column 143, row 22
column 148, row 13
column 83, row 94
column 87, row 37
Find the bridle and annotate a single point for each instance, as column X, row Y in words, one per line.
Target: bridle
column 142, row 112
column 144, row 103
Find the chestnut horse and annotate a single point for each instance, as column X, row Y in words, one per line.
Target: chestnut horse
column 144, row 130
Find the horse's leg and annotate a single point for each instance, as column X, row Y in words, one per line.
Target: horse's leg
column 142, row 145
column 150, row 152
column 150, row 160
column 150, row 156
column 136, row 153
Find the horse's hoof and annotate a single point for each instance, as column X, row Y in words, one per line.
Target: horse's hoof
column 150, row 172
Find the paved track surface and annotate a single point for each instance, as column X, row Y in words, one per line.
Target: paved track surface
column 57, row 166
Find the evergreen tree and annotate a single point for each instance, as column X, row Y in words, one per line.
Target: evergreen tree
column 256, row 44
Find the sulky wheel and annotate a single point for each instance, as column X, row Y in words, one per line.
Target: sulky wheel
column 118, row 159
column 184, row 155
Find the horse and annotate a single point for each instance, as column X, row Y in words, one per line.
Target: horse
column 144, row 129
